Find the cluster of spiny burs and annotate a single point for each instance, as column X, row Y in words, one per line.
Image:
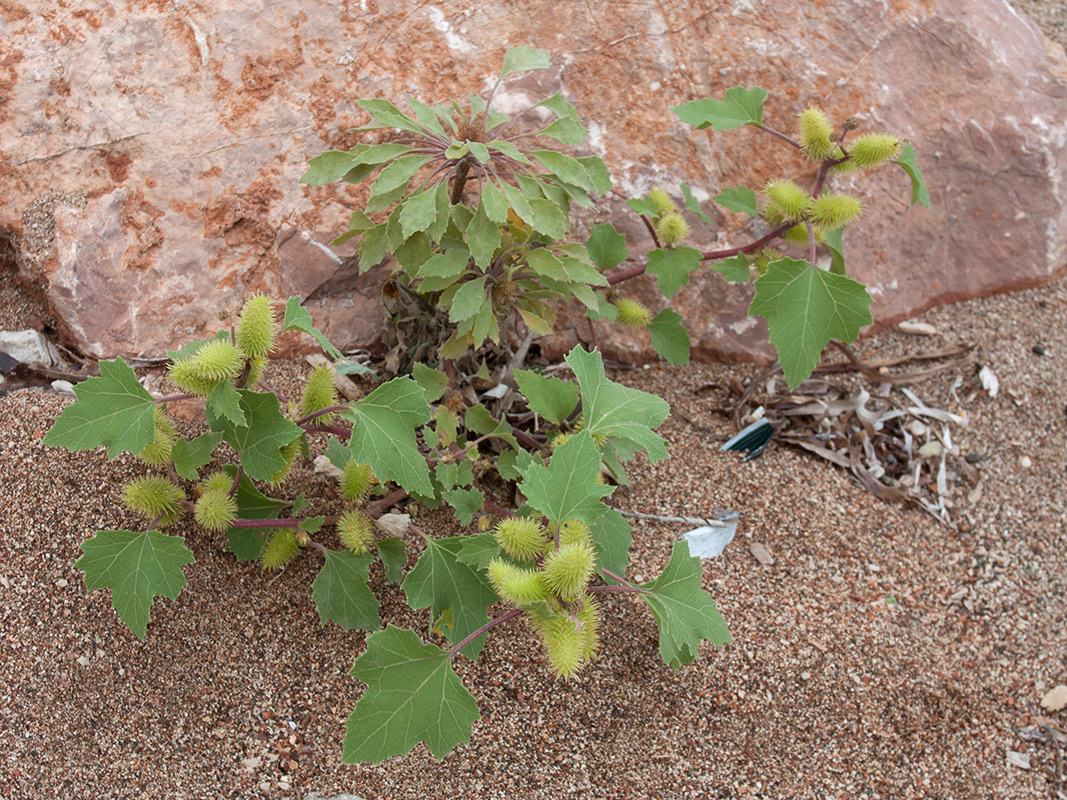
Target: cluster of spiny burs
column 548, row 576
column 240, row 361
column 785, row 201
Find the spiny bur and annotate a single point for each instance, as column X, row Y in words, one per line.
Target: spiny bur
column 281, row 548
column 216, row 481
column 356, row 531
column 815, row 133
column 567, row 570
column 355, row 481
column 832, row 211
column 664, row 204
column 765, row 256
column 215, row 510
column 798, row 234
column 153, row 496
column 255, row 327
column 632, row 313
column 319, row 393
column 672, row 229
column 574, row 530
column 521, row 538
column 517, row 585
column 157, row 452
column 786, row 200
column 872, row 150
column 289, row 452
column 256, row 367
column 215, row 362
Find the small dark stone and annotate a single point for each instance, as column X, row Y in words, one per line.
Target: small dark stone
column 973, row 458
column 1037, row 350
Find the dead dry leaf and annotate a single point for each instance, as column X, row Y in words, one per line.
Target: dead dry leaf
column 1055, row 699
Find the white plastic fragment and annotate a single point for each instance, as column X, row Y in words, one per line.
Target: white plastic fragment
column 708, row 541
column 917, row 328
column 497, row 391
column 1020, row 760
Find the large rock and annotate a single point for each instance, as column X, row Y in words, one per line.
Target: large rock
column 151, row 153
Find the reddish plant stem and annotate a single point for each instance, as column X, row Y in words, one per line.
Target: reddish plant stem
column 486, row 627
column 463, row 167
column 285, row 522
column 237, row 480
column 170, row 397
column 321, row 412
column 378, row 507
column 651, row 229
column 336, row 430
column 606, row 589
column 780, row 135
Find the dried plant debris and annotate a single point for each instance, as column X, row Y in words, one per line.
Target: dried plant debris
column 898, row 442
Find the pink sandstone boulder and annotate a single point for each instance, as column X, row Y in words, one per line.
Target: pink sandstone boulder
column 150, row 153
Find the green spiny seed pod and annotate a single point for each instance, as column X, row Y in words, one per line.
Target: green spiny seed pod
column 216, row 481
column 281, row 548
column 356, row 531
column 589, row 617
column 567, row 570
column 574, row 530
column 833, row 211
column 566, row 647
column 516, row 585
column 872, row 150
column 764, row 257
column 215, row 510
column 786, row 200
column 256, row 367
column 633, row 314
column 815, row 133
column 217, row 361
column 522, row 538
column 157, row 452
column 672, row 229
column 289, row 452
column 152, row 496
column 185, row 375
column 355, row 481
column 599, row 439
column 664, row 204
column 255, row 327
column 558, row 440
column 798, row 234
column 319, row 392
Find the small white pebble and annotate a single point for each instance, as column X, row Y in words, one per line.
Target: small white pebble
column 805, row 676
column 62, row 583
column 83, row 660
column 1025, row 462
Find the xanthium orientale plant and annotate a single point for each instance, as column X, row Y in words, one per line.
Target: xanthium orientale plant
column 477, row 267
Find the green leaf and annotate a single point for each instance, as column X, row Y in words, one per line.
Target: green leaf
column 298, row 318
column 394, row 558
column 669, row 336
column 383, row 433
column 385, row 115
column 188, row 457
column 372, row 248
column 478, row 549
column 684, row 612
column 113, row 410
column 448, row 264
column 568, row 169
column 740, row 199
column 738, row 107
column 260, row 441
column 468, row 300
column 735, row 269
column 568, row 130
column 341, row 593
column 478, row 419
column 441, row 581
column 494, row 203
column 606, row 246
column 136, row 567
column 419, row 211
column 552, row 398
column 598, row 172
column 479, row 151
column 837, row 251
column 509, row 150
column 613, row 538
column 482, row 237
column 413, row 253
column 805, row 307
column 465, row 502
column 549, row 219
column 618, row 411
column 692, row 204
column 247, row 543
column 567, row 487
column 524, row 59
column 433, row 381
column 396, row 175
column 413, row 695
column 225, row 401
column 328, row 167
column 672, row 267
column 909, row 161
column 644, row 205
column 427, row 117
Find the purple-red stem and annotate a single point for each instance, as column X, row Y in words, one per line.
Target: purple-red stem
column 490, row 624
